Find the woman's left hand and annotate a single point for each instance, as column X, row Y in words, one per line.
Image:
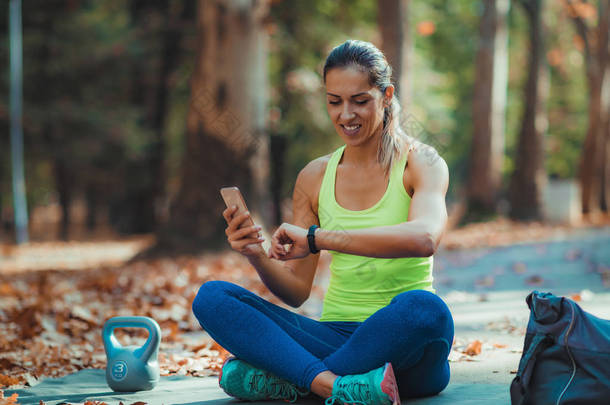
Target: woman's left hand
column 292, row 235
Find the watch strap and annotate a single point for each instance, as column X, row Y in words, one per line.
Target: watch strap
column 311, row 239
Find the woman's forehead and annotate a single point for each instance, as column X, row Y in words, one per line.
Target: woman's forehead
column 347, row 81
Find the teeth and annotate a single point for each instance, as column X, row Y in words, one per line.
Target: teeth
column 351, row 128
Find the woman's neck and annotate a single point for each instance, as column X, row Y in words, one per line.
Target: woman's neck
column 362, row 156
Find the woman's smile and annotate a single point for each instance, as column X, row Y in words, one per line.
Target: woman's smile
column 351, row 130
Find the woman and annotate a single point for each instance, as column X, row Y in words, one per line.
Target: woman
column 378, row 205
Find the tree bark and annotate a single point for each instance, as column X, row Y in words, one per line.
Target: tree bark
column 397, row 45
column 529, row 176
column 605, row 170
column 593, row 181
column 225, row 141
column 64, row 190
column 489, row 106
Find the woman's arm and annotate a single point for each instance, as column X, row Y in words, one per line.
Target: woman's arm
column 420, row 235
column 291, row 281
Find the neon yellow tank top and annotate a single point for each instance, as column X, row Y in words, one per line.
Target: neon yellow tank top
column 361, row 285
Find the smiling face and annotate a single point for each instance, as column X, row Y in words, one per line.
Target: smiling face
column 354, row 106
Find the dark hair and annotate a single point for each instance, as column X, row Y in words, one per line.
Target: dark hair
column 369, row 59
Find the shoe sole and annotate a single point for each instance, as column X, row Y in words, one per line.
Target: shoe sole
column 388, row 384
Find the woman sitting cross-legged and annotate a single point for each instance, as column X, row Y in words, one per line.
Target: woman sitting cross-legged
column 377, row 204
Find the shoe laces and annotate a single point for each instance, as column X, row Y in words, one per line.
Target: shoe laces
column 275, row 388
column 353, row 392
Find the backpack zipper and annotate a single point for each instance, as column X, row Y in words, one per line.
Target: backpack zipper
column 565, row 342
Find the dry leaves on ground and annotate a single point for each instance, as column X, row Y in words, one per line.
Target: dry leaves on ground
column 462, row 350
column 52, row 320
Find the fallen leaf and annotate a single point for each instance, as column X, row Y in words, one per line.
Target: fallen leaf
column 499, row 345
column 7, row 381
column 6, row 401
column 534, row 280
column 474, row 348
column 486, row 281
column 519, row 267
column 576, row 297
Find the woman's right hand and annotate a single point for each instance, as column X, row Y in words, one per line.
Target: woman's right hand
column 246, row 241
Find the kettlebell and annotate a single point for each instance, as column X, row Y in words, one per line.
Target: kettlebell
column 132, row 368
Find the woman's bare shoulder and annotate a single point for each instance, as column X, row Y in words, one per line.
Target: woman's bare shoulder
column 420, row 153
column 313, row 172
column 423, row 161
column 309, row 181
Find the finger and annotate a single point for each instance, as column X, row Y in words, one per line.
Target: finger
column 244, row 242
column 242, row 220
column 238, row 220
column 228, row 212
column 279, row 238
column 249, row 230
column 279, row 250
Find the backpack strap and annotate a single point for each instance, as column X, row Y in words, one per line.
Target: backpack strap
column 519, row 386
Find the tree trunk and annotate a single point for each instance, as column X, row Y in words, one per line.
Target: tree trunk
column 225, row 141
column 489, row 105
column 393, row 23
column 593, row 166
column 529, row 176
column 145, row 201
column 169, row 58
column 64, row 190
column 277, row 149
column 592, row 158
column 605, row 170
column 605, row 180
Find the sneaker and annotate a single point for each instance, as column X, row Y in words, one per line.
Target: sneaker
column 246, row 382
column 377, row 387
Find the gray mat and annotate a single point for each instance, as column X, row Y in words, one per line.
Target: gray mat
column 90, row 384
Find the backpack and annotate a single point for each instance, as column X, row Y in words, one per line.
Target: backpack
column 566, row 355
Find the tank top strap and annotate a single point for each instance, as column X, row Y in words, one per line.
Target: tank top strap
column 398, row 170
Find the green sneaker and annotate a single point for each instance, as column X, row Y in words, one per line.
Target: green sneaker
column 246, row 382
column 377, row 387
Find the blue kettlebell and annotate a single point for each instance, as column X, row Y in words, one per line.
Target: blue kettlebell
column 132, row 368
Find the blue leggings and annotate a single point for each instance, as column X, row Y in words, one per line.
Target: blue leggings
column 414, row 332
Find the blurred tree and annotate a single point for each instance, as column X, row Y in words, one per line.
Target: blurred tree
column 226, row 144
column 489, row 106
column 302, row 34
column 529, row 176
column 443, row 81
column 159, row 27
column 78, row 122
column 396, row 44
column 595, row 157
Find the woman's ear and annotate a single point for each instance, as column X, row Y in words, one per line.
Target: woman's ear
column 387, row 97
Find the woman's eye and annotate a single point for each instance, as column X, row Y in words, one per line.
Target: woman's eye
column 333, row 102
column 362, row 102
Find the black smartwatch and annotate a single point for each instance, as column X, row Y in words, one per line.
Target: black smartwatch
column 311, row 239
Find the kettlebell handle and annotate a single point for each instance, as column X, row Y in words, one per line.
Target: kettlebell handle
column 151, row 345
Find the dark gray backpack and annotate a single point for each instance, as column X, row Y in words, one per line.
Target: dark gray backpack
column 566, row 355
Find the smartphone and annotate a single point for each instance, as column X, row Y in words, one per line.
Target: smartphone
column 232, row 196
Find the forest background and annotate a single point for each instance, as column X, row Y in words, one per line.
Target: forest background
column 137, row 112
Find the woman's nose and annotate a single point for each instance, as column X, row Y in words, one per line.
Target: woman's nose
column 346, row 113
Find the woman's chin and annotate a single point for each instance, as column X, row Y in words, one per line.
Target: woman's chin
column 351, row 138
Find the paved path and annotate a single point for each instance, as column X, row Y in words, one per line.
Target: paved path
column 485, row 290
